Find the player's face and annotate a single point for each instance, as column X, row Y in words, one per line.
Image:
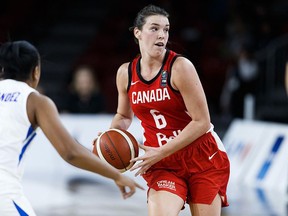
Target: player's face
column 154, row 34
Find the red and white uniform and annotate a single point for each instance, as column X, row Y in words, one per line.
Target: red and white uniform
column 163, row 115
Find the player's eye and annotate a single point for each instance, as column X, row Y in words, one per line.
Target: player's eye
column 154, row 29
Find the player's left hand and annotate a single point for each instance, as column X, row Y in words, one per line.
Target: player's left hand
column 152, row 155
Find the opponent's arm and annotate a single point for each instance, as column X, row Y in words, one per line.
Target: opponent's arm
column 42, row 112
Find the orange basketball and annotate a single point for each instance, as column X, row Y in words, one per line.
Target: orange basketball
column 117, row 147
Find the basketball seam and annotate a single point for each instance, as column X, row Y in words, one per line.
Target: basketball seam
column 132, row 150
column 116, row 151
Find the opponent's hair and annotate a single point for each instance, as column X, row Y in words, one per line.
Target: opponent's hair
column 145, row 12
column 17, row 60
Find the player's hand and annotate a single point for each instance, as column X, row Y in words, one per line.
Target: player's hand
column 95, row 140
column 123, row 182
column 152, row 155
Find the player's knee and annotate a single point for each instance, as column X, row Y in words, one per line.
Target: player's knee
column 163, row 203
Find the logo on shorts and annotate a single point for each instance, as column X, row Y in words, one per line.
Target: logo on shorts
column 166, row 184
column 210, row 157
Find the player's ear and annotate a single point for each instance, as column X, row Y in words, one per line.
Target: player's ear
column 137, row 33
column 36, row 73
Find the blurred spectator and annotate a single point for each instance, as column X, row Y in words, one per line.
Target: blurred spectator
column 84, row 92
column 240, row 82
column 238, row 34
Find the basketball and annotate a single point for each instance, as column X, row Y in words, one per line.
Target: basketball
column 117, row 147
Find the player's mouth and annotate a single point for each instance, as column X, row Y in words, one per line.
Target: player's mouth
column 159, row 44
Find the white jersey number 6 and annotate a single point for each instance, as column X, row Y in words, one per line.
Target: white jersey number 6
column 159, row 119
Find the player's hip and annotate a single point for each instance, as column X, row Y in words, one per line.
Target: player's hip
column 204, row 153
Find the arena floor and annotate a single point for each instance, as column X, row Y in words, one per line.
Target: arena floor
column 97, row 196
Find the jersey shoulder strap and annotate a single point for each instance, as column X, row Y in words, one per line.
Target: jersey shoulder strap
column 131, row 69
column 172, row 56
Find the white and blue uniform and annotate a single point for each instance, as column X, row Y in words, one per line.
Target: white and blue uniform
column 16, row 134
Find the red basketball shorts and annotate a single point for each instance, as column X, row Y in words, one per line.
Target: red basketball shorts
column 196, row 173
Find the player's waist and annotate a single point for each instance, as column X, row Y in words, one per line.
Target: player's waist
column 10, row 184
column 156, row 138
column 8, row 175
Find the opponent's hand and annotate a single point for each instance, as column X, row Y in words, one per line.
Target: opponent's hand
column 123, row 181
column 152, row 155
column 95, row 140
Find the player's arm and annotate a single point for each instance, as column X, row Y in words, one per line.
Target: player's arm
column 185, row 79
column 42, row 112
column 124, row 114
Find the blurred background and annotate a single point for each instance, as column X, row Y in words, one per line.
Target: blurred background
column 239, row 48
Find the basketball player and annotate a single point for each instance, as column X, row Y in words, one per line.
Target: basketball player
column 184, row 159
column 22, row 110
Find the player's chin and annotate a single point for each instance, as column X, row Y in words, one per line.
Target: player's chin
column 158, row 51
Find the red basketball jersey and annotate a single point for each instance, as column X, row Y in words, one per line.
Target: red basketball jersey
column 158, row 106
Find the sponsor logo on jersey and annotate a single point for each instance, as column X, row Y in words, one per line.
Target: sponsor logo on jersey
column 163, row 139
column 160, row 94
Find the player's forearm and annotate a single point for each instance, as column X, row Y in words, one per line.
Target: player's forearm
column 189, row 134
column 84, row 159
column 121, row 122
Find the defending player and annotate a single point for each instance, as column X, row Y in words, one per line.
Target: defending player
column 22, row 110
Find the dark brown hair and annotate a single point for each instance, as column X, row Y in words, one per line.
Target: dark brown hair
column 147, row 11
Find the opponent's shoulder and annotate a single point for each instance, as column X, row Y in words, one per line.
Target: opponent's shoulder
column 39, row 105
column 39, row 100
